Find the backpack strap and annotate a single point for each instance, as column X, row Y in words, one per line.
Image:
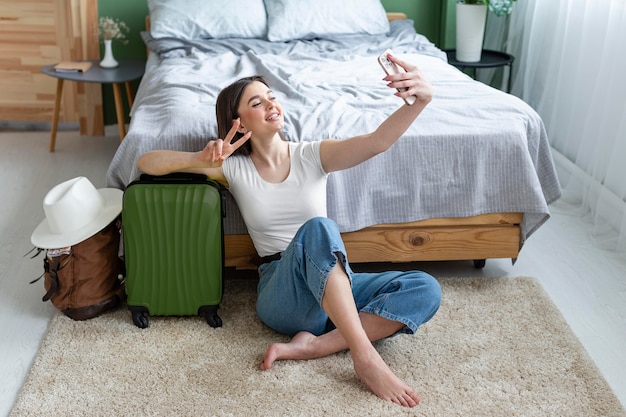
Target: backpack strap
column 35, row 248
column 52, row 273
column 39, row 250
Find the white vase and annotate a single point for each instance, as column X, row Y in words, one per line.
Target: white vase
column 470, row 31
column 109, row 60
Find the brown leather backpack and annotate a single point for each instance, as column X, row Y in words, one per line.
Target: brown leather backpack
column 83, row 280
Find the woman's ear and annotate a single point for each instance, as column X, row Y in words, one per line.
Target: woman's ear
column 242, row 129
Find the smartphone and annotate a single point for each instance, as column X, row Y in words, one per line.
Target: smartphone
column 391, row 68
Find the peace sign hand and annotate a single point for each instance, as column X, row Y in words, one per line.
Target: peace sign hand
column 216, row 151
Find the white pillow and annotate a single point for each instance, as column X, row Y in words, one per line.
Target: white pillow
column 195, row 19
column 297, row 19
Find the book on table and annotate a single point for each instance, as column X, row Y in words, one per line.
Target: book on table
column 74, row 66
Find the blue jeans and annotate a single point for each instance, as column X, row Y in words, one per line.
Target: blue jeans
column 290, row 289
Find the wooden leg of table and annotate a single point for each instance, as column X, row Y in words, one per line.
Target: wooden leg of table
column 119, row 110
column 129, row 94
column 55, row 117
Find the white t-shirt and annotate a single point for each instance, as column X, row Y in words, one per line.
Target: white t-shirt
column 273, row 212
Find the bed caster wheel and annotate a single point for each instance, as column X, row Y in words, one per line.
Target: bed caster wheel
column 479, row 263
column 140, row 316
column 211, row 317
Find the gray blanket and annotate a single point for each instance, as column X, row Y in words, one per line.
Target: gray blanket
column 474, row 150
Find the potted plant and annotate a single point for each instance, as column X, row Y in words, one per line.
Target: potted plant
column 110, row 29
column 470, row 25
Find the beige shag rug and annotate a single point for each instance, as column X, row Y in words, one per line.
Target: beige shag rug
column 497, row 347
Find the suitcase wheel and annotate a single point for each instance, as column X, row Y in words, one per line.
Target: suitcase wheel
column 210, row 314
column 140, row 316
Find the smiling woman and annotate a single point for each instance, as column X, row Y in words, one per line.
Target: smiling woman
column 247, row 108
column 307, row 289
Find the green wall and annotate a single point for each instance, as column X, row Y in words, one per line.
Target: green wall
column 447, row 38
column 431, row 18
column 426, row 15
column 133, row 13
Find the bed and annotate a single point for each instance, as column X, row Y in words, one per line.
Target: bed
column 471, row 179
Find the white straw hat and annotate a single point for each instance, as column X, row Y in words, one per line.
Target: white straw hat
column 74, row 211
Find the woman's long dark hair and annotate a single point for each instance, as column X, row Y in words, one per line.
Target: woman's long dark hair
column 226, row 109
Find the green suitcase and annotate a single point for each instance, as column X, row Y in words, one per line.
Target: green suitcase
column 173, row 247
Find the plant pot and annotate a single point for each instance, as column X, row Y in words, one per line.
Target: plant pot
column 470, row 31
column 109, row 60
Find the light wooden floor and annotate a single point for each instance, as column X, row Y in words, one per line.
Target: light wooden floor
column 587, row 284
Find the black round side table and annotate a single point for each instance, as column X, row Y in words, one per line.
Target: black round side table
column 488, row 59
column 128, row 70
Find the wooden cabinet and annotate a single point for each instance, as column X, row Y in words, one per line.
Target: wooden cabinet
column 35, row 33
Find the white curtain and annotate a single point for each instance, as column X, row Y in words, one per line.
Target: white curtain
column 570, row 67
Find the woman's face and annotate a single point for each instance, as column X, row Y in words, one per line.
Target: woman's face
column 259, row 111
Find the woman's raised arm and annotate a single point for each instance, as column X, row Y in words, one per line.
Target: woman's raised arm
column 342, row 154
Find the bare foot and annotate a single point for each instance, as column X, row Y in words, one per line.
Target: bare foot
column 368, row 364
column 296, row 348
column 375, row 373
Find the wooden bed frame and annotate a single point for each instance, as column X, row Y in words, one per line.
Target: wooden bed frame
column 476, row 238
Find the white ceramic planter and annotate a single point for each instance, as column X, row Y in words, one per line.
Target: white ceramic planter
column 470, row 31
